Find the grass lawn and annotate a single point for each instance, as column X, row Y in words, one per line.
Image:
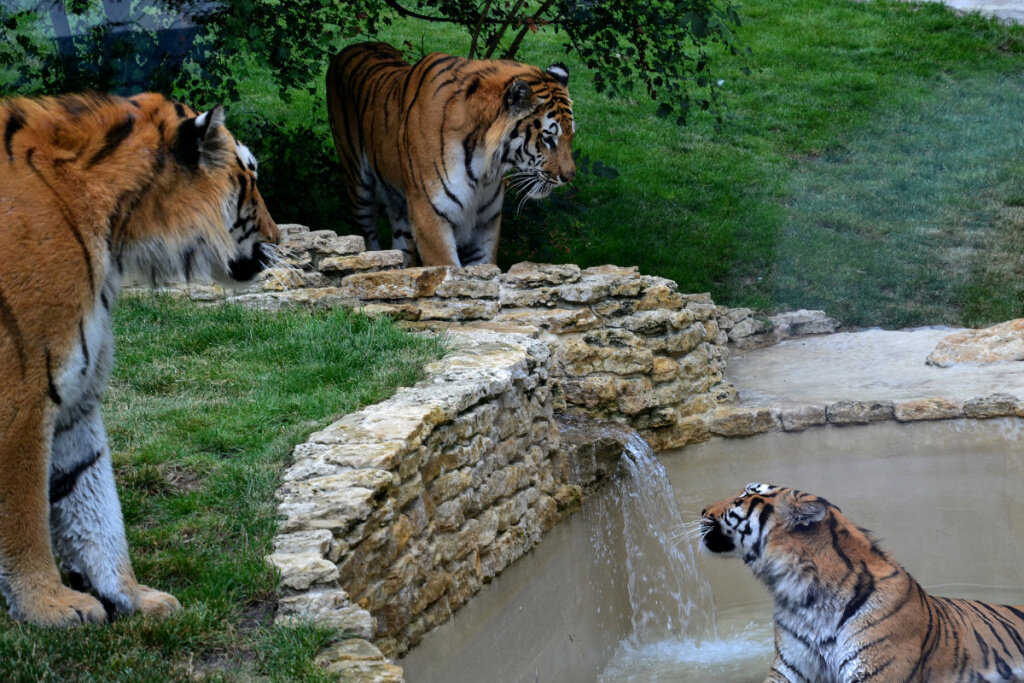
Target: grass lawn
column 203, row 409
column 870, row 165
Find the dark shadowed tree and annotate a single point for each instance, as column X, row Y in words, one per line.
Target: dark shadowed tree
column 662, row 44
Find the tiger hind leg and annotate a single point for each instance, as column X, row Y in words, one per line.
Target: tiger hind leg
column 401, row 229
column 362, row 203
column 28, row 574
column 86, row 521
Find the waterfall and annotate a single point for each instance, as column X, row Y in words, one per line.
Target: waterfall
column 674, row 634
column 637, row 519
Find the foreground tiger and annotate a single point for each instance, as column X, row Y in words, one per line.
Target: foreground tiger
column 432, row 142
column 845, row 610
column 90, row 187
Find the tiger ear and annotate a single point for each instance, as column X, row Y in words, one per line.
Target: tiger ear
column 201, row 141
column 797, row 513
column 518, row 96
column 560, row 72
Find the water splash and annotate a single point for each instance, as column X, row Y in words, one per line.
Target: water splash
column 670, row 599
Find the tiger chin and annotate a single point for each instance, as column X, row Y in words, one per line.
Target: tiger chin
column 432, row 143
column 93, row 187
column 844, row 609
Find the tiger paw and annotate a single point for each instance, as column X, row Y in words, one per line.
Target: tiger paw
column 59, row 606
column 152, row 601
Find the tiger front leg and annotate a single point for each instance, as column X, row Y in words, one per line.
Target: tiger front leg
column 795, row 660
column 28, row 574
column 482, row 245
column 433, row 232
column 86, row 521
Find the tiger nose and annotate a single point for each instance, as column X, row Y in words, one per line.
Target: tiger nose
column 704, row 512
column 567, row 176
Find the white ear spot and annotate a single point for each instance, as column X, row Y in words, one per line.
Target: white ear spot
column 559, row 72
column 248, row 158
column 213, row 118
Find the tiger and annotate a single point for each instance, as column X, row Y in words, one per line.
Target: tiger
column 95, row 188
column 844, row 609
column 432, row 142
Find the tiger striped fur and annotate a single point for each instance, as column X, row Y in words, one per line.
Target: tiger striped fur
column 845, row 611
column 92, row 187
column 432, row 142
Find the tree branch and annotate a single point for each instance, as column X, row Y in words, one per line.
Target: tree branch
column 510, row 53
column 402, row 11
column 479, row 26
column 506, row 22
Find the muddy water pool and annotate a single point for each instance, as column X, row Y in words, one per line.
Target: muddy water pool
column 943, row 497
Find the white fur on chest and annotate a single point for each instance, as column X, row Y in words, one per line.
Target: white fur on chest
column 467, row 194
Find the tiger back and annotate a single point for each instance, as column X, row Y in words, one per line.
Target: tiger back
column 432, row 142
column 93, row 187
column 844, row 609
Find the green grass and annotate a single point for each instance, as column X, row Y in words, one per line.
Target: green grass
column 203, row 409
column 869, row 165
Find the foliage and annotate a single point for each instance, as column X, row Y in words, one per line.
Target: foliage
column 663, row 44
column 132, row 50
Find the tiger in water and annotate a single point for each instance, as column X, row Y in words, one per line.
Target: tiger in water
column 846, row 611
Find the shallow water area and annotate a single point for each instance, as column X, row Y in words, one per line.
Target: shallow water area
column 742, row 652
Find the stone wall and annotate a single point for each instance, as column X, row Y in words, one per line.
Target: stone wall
column 626, row 347
column 393, row 516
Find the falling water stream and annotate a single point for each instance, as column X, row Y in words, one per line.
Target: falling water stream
column 674, row 634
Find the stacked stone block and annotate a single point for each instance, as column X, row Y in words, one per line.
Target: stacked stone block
column 393, row 516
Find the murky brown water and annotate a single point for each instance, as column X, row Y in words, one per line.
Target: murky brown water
column 943, row 497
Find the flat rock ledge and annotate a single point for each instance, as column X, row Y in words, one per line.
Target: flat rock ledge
column 996, row 344
column 749, row 419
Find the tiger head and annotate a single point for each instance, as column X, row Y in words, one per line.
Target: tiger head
column 538, row 144
column 204, row 215
column 771, row 528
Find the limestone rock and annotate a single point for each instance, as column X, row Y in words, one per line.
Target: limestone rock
column 469, row 289
column 742, row 421
column 797, row 323
column 996, row 405
column 927, row 409
column 996, row 344
column 530, row 274
column 801, row 416
column 859, row 412
column 336, row 501
column 358, row 263
column 409, row 283
column 575, row 357
column 458, row 309
column 555, row 320
column 299, row 572
column 314, row 542
column 312, row 299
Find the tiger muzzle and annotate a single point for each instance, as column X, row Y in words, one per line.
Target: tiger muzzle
column 714, row 538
